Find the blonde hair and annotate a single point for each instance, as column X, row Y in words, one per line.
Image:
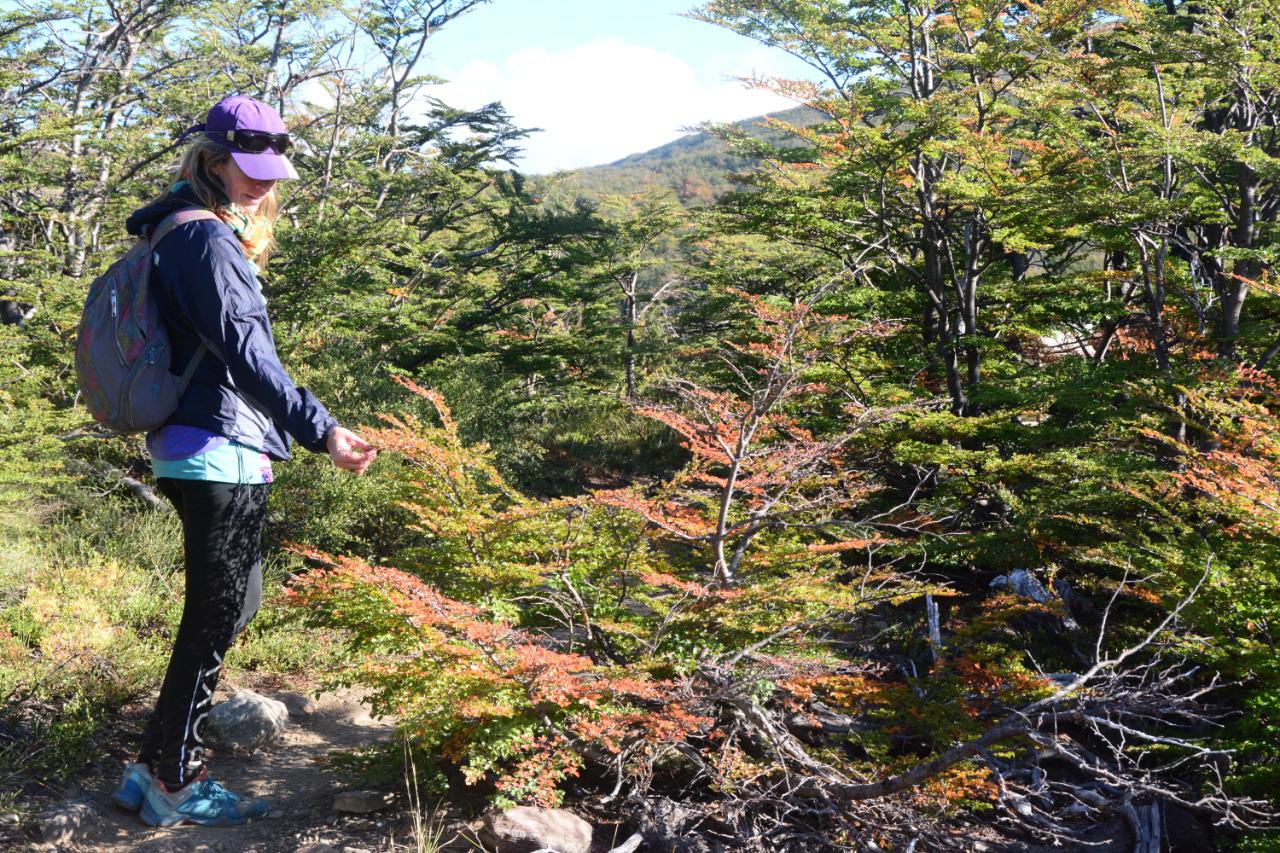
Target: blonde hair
column 198, row 168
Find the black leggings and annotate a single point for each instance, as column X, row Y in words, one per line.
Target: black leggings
column 222, row 555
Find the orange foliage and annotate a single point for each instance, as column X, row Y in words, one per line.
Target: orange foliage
column 1241, row 470
column 503, row 672
column 847, row 545
column 956, row 784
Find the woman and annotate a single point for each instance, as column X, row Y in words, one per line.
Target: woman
column 213, row 457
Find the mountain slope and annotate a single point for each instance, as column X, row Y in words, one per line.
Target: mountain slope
column 696, row 167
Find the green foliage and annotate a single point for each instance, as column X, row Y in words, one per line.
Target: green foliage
column 476, row 684
column 1000, row 298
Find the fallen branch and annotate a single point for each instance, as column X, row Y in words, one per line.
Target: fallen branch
column 107, row 472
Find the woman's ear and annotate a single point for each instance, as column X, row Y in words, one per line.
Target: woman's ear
column 215, row 173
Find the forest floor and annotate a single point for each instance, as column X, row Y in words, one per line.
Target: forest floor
column 299, row 779
column 294, row 774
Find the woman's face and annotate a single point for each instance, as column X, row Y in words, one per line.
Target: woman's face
column 243, row 190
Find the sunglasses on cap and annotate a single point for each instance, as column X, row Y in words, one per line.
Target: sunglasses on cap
column 256, row 141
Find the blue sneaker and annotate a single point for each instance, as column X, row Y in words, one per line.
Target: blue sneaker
column 133, row 787
column 204, row 801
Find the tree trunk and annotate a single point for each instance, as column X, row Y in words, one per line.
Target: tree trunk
column 1235, row 287
column 974, row 245
column 629, row 319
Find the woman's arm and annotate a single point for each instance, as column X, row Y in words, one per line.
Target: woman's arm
column 216, row 289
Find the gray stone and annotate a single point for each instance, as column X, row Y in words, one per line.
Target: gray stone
column 525, row 829
column 10, row 819
column 362, row 802
column 667, row 825
column 317, row 847
column 1022, row 582
column 300, row 705
column 67, row 823
column 248, row 720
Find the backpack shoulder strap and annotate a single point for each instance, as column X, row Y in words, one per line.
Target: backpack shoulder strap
column 170, row 222
column 182, row 217
column 187, row 374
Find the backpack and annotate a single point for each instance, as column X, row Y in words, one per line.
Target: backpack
column 122, row 349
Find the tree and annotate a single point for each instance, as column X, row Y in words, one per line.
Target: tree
column 916, row 154
column 636, row 227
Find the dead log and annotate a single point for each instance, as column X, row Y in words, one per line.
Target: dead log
column 631, row 845
column 114, row 475
column 1146, row 823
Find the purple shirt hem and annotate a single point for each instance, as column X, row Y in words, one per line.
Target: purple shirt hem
column 177, row 441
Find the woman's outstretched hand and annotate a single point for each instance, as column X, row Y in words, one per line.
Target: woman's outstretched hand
column 349, row 451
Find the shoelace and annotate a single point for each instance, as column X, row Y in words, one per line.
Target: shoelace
column 218, row 794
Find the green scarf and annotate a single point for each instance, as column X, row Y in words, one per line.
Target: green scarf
column 237, row 220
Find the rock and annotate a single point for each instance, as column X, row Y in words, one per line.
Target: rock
column 362, row 802
column 248, row 720
column 10, row 819
column 1022, row 582
column 67, row 823
column 317, row 847
column 666, row 826
column 525, row 829
column 299, row 705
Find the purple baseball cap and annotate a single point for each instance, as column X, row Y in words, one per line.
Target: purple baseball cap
column 239, row 112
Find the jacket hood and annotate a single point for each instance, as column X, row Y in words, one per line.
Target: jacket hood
column 148, row 216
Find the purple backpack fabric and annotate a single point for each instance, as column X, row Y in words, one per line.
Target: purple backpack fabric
column 122, row 349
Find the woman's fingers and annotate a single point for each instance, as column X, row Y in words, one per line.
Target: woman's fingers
column 359, row 462
column 349, row 451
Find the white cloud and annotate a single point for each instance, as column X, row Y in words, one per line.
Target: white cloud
column 601, row 101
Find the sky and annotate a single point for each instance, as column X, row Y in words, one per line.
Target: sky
column 602, row 78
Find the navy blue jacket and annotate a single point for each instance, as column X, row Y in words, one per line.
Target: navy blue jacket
column 207, row 290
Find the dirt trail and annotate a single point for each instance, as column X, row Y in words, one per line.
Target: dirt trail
column 293, row 774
